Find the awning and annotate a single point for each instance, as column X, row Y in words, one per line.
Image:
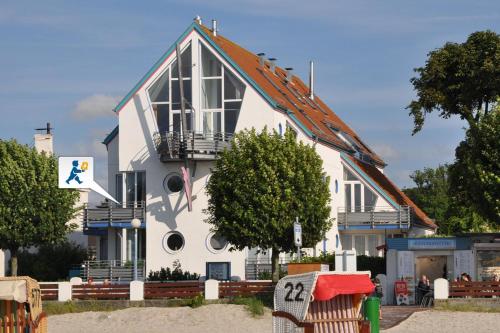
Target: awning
column 329, row 286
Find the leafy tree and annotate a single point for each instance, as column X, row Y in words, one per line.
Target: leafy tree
column 458, row 79
column 52, row 262
column 33, row 210
column 259, row 187
column 475, row 175
column 433, row 194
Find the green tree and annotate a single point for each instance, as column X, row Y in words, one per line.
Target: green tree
column 434, row 195
column 458, row 79
column 475, row 175
column 259, row 187
column 431, row 193
column 33, row 210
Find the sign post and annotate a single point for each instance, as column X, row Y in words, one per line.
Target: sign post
column 297, row 236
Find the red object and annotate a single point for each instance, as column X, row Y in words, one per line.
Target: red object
column 187, row 187
column 329, row 286
column 401, row 287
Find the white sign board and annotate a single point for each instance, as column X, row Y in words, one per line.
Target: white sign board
column 297, row 234
column 292, row 295
column 78, row 172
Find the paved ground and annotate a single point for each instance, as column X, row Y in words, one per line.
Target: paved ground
column 393, row 315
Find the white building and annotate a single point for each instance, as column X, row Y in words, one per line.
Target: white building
column 227, row 89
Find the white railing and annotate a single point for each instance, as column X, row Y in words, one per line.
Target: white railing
column 373, row 216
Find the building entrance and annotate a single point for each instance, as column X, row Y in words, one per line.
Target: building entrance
column 433, row 267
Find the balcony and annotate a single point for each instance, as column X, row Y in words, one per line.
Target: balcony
column 112, row 270
column 172, row 146
column 112, row 215
column 374, row 217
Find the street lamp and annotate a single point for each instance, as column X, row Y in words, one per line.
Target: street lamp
column 136, row 224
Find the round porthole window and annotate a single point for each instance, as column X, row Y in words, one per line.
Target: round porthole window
column 173, row 242
column 173, row 183
column 216, row 243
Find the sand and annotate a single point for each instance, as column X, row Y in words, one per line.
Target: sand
column 234, row 318
column 448, row 322
column 210, row 318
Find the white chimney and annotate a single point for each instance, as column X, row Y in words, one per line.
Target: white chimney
column 44, row 141
column 311, row 80
column 289, row 74
column 262, row 59
column 214, row 27
column 197, row 19
column 272, row 64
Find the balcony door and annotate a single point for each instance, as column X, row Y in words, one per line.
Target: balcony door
column 358, row 196
column 134, row 184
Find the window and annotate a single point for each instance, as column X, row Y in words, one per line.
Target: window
column 173, row 242
column 372, row 245
column 135, row 187
column 173, row 183
column 346, row 241
column 119, row 187
column 358, row 196
column 216, row 243
column 165, row 96
column 219, row 270
column 221, row 95
column 359, row 244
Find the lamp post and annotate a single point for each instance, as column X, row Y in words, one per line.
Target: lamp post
column 136, row 224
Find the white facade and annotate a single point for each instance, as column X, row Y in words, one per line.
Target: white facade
column 133, row 151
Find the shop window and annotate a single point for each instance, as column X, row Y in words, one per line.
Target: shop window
column 359, row 244
column 346, row 241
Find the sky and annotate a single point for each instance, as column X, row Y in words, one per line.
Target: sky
column 70, row 62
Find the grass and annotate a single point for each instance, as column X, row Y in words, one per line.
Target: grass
column 253, row 305
column 467, row 307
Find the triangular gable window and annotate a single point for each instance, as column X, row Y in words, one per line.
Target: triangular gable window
column 358, row 196
column 221, row 95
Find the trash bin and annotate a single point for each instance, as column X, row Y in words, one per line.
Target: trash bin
column 321, row 302
column 372, row 306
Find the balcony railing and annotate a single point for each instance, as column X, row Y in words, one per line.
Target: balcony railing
column 110, row 212
column 374, row 216
column 112, row 270
column 201, row 146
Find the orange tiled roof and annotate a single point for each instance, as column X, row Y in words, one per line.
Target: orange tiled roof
column 293, row 96
column 393, row 191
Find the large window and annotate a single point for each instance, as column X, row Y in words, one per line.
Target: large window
column 165, row 95
column 221, row 95
column 358, row 196
column 134, row 184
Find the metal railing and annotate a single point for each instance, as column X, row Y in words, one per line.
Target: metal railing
column 173, row 146
column 112, row 270
column 374, row 216
column 111, row 212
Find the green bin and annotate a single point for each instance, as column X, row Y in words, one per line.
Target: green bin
column 371, row 309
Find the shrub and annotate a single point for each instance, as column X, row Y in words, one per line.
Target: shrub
column 176, row 274
column 51, row 262
column 376, row 265
column 197, row 301
column 252, row 304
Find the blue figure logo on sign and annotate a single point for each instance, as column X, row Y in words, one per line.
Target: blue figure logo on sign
column 74, row 173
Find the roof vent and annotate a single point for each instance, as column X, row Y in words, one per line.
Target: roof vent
column 272, row 64
column 214, row 27
column 197, row 19
column 261, row 59
column 289, row 74
column 311, row 80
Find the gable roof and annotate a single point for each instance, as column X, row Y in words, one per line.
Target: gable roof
column 314, row 116
column 110, row 136
column 391, row 190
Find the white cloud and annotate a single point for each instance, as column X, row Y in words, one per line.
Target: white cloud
column 95, row 106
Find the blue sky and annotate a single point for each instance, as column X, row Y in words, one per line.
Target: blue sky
column 69, row 62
